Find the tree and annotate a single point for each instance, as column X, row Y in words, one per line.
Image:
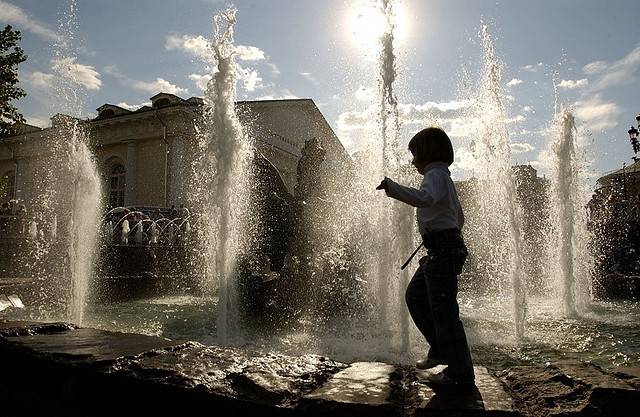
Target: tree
column 10, row 56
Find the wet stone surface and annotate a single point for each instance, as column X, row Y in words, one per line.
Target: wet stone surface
column 59, row 369
column 90, row 345
column 270, row 379
column 361, row 389
column 571, row 389
column 24, row 328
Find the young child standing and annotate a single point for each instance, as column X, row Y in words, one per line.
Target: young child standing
column 431, row 294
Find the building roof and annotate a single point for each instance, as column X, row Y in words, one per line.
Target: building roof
column 633, row 169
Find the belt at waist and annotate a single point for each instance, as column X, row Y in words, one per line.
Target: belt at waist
column 447, row 238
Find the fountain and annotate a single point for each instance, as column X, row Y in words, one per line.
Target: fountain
column 358, row 239
column 398, row 241
column 82, row 173
column 568, row 243
column 494, row 227
column 68, row 198
column 224, row 188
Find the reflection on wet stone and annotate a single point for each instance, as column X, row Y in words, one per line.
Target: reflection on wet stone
column 164, row 375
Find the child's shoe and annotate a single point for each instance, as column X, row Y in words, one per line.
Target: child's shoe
column 428, row 363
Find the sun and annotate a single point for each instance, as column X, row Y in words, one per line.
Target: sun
column 367, row 24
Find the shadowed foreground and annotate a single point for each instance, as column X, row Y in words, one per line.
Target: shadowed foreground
column 59, row 369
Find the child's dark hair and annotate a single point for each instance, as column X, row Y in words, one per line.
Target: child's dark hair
column 432, row 145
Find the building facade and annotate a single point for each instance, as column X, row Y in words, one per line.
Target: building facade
column 145, row 156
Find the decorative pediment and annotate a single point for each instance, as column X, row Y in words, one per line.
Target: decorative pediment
column 165, row 99
column 110, row 110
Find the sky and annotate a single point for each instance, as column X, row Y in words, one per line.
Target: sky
column 128, row 51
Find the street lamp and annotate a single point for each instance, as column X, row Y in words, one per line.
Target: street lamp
column 633, row 138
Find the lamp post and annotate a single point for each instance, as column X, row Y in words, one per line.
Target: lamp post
column 633, row 138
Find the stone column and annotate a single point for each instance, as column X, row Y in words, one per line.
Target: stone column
column 17, row 189
column 131, row 176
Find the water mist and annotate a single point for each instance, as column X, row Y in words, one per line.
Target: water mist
column 571, row 268
column 74, row 171
column 497, row 238
column 225, row 184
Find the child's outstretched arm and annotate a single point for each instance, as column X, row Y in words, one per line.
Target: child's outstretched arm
column 432, row 190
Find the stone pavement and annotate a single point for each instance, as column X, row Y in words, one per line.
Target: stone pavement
column 59, row 369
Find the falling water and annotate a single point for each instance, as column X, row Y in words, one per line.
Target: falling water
column 395, row 221
column 80, row 173
column 499, row 225
column 84, row 221
column 569, row 239
column 227, row 156
column 389, row 118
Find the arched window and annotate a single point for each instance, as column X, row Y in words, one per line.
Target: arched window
column 8, row 186
column 116, row 185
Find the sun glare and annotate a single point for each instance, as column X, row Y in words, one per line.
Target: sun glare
column 367, row 24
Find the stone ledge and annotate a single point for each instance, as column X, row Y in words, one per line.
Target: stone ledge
column 571, row 388
column 58, row 369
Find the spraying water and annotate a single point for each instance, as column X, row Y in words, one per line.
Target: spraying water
column 84, row 222
column 228, row 155
column 569, row 236
column 498, row 227
column 80, row 171
column 395, row 221
column 389, row 117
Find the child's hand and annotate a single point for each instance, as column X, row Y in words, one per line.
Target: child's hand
column 383, row 184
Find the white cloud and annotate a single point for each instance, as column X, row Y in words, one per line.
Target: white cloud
column 133, row 107
column 354, row 128
column 84, row 75
column 114, row 71
column 533, row 67
column 199, row 46
column 620, row 72
column 572, row 84
column 433, row 110
column 39, row 79
column 517, row 119
column 597, row 114
column 354, row 120
column 514, row 82
column 283, row 94
column 528, row 109
column 194, row 45
column 12, row 14
column 200, row 80
column 153, row 87
column 596, row 67
column 309, row 77
column 250, row 79
column 521, row 147
column 158, row 86
column 275, row 71
column 249, row 53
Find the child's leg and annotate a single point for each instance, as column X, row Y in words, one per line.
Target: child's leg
column 418, row 303
column 450, row 333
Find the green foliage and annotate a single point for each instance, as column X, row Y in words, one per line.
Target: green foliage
column 10, row 56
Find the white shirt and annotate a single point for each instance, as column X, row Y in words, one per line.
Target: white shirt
column 438, row 207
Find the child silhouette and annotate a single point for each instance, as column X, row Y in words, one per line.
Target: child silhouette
column 431, row 294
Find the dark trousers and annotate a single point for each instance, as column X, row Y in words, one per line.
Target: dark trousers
column 432, row 300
